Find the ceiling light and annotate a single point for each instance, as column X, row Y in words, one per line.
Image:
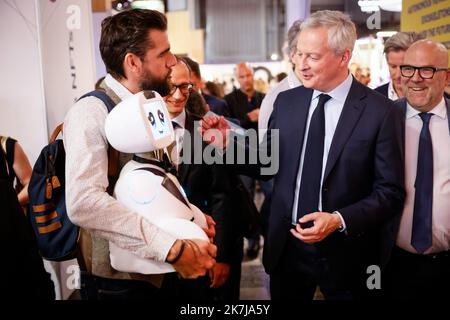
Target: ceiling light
column 385, row 34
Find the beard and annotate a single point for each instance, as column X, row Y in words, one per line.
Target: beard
column 150, row 82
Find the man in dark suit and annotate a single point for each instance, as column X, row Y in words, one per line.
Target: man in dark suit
column 420, row 263
column 340, row 176
column 206, row 186
column 244, row 103
column 394, row 49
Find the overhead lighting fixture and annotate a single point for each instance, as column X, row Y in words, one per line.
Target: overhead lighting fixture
column 385, row 34
column 368, row 5
column 391, row 5
column 375, row 5
column 157, row 5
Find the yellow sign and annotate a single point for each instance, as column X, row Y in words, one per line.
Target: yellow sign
column 430, row 18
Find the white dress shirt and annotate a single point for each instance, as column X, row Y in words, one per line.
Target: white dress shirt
column 88, row 204
column 391, row 92
column 440, row 137
column 333, row 110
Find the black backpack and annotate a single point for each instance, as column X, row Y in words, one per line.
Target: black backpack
column 57, row 236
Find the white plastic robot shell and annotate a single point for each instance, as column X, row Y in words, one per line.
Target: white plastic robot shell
column 139, row 124
column 142, row 192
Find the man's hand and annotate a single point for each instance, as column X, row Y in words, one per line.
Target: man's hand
column 215, row 131
column 324, row 224
column 198, row 257
column 211, row 229
column 219, row 274
column 253, row 115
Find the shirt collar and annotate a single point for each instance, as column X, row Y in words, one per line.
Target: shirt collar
column 340, row 92
column 118, row 88
column 439, row 110
column 391, row 92
column 293, row 80
column 180, row 119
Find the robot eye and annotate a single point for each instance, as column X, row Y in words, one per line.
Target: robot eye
column 151, row 118
column 161, row 116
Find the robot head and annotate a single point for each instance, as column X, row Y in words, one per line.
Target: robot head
column 139, row 124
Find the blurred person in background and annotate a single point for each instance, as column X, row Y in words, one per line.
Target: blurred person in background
column 244, row 104
column 18, row 167
column 394, row 49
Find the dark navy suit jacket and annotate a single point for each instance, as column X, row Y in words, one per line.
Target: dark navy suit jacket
column 383, row 89
column 363, row 178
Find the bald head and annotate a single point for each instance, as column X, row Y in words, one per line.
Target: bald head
column 244, row 74
column 424, row 94
column 434, row 50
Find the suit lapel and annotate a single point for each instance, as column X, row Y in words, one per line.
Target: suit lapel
column 351, row 112
column 296, row 115
column 401, row 103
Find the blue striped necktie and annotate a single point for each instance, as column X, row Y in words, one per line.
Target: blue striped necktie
column 421, row 237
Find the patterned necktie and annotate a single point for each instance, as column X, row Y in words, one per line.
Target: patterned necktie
column 308, row 199
column 172, row 148
column 421, row 238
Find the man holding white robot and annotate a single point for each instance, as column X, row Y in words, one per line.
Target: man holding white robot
column 136, row 51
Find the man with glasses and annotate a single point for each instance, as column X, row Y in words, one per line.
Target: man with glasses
column 206, row 186
column 340, row 177
column 420, row 262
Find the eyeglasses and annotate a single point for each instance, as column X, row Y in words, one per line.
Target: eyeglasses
column 185, row 88
column 424, row 72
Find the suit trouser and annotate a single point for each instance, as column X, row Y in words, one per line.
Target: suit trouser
column 300, row 270
column 413, row 276
column 230, row 290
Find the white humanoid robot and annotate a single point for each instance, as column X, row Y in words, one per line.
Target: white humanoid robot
column 140, row 125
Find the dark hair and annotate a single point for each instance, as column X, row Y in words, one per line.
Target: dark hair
column 128, row 32
column 196, row 104
column 280, row 76
column 183, row 61
column 193, row 65
column 213, row 88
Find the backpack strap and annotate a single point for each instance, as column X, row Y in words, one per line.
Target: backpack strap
column 113, row 154
column 101, row 94
column 55, row 133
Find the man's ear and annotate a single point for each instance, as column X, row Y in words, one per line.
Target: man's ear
column 346, row 56
column 132, row 64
